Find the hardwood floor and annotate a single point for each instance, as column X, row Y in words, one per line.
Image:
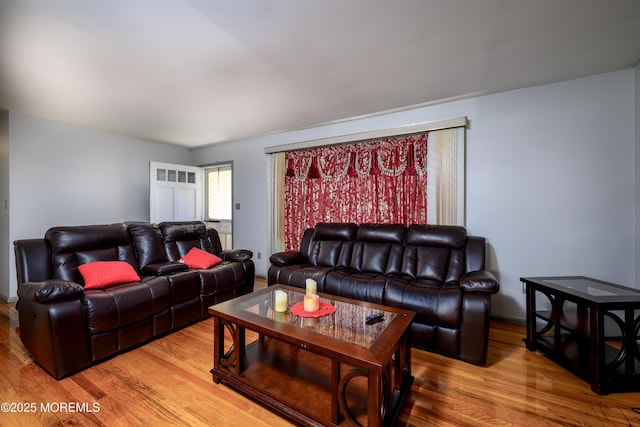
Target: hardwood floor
column 167, row 382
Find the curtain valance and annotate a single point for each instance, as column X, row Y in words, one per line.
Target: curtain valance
column 405, row 155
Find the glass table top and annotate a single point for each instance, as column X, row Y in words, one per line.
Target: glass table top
column 587, row 288
column 593, row 287
column 346, row 324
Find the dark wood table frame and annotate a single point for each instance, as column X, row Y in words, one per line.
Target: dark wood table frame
column 606, row 355
column 386, row 363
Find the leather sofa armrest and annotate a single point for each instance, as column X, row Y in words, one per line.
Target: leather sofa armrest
column 288, row 258
column 50, row 291
column 239, row 255
column 479, row 281
column 163, row 268
column 53, row 326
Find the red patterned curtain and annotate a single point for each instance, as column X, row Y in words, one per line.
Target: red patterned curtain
column 383, row 181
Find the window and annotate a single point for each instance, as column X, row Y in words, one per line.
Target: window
column 219, row 201
column 218, row 191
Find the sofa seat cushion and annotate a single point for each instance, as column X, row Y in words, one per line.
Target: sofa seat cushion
column 362, row 286
column 185, row 285
column 119, row 306
column 221, row 277
column 436, row 338
column 435, row 303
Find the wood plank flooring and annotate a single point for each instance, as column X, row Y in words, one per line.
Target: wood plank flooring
column 167, row 382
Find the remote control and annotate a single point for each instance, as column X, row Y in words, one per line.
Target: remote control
column 374, row 318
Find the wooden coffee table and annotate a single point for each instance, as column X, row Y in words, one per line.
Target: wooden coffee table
column 295, row 364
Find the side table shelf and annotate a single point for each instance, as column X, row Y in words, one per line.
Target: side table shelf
column 591, row 329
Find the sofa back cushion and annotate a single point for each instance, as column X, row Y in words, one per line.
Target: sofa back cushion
column 332, row 244
column 378, row 248
column 435, row 252
column 179, row 238
column 72, row 246
column 147, row 241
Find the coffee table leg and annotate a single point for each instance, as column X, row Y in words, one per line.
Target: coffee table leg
column 531, row 317
column 630, row 342
column 335, row 382
column 375, row 401
column 239, row 339
column 403, row 358
column 218, row 347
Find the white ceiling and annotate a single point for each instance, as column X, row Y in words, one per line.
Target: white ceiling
column 195, row 72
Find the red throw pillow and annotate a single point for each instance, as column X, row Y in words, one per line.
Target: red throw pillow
column 197, row 258
column 103, row 274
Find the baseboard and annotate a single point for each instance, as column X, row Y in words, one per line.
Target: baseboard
column 8, row 299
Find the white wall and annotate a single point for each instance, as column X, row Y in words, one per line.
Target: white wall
column 637, row 173
column 550, row 179
column 68, row 175
column 4, row 211
column 551, row 182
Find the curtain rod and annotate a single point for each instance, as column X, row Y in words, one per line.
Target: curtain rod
column 374, row 134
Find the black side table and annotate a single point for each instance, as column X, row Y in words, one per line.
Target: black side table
column 589, row 327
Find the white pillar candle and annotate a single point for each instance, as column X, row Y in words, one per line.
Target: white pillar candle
column 312, row 287
column 311, row 303
column 281, row 301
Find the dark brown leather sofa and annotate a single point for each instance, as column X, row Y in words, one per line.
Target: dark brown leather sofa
column 67, row 328
column 436, row 271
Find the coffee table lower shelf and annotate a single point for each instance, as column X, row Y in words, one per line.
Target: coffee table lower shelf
column 304, row 386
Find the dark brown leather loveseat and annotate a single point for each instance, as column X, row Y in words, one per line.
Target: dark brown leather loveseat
column 436, row 271
column 67, row 328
